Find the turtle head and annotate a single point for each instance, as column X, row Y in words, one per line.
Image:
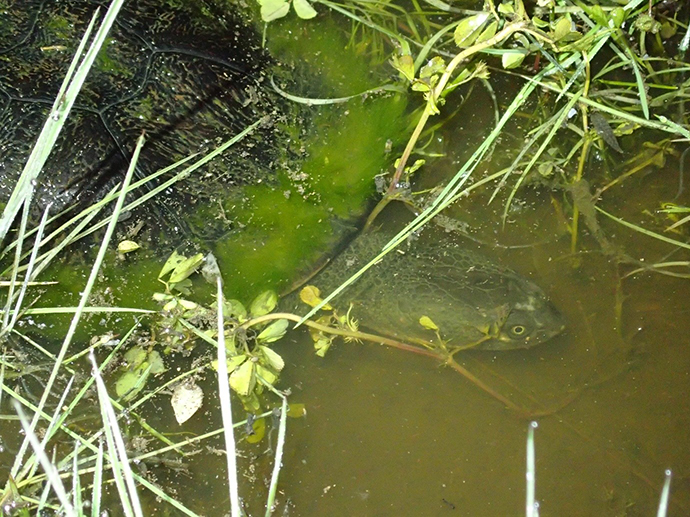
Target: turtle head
column 530, row 320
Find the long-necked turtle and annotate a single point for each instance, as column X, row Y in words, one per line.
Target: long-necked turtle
column 187, row 73
column 474, row 302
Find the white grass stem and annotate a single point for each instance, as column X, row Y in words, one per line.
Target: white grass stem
column 52, row 474
column 19, row 458
column 119, row 463
column 530, row 474
column 278, row 459
column 665, row 492
column 226, row 407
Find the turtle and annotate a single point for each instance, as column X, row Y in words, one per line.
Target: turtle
column 187, row 73
column 472, row 301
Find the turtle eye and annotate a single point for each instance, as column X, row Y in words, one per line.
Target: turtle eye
column 518, row 330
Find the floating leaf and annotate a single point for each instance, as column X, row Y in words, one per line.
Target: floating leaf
column 266, row 374
column 170, row 305
column 258, row 431
column 273, row 9
column 512, row 59
column 272, row 358
column 273, row 332
column 264, row 303
column 232, row 363
column 311, row 295
column 469, row 29
column 434, row 66
column 405, row 65
column 186, row 400
column 235, row 309
column 187, row 304
column 545, row 169
column 427, row 323
column 296, row 410
column 171, row 263
column 132, row 381
column 127, row 247
column 162, row 297
column 135, row 356
column 156, row 362
column 186, row 268
column 303, row 9
column 243, row 379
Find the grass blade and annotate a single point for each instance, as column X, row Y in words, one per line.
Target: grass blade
column 53, row 475
column 663, row 503
column 278, row 459
column 119, row 463
column 67, row 95
column 82, row 303
column 532, row 506
column 226, row 407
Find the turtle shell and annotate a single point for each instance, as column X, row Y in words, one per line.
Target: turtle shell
column 188, row 74
column 474, row 302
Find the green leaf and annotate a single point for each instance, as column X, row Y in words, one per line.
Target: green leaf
column 132, row 381
column 427, row 323
column 273, row 9
column 506, row 8
column 597, row 14
column 171, row 263
column 272, row 358
column 156, row 362
column 127, row 247
column 539, row 23
column 296, row 410
column 243, row 379
column 186, row 268
column 135, row 356
column 273, row 332
column 434, row 66
column 267, row 375
column 232, row 363
column 562, row 28
column 303, row 9
column 258, row 431
column 512, row 59
column 405, row 65
column 234, row 309
column 321, row 345
column 311, row 295
column 469, row 29
column 668, row 30
column 264, row 303
column 617, row 17
column 489, row 32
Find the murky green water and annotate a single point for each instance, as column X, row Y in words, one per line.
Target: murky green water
column 389, row 433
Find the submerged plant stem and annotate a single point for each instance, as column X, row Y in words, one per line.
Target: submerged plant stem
column 439, row 354
column 430, row 109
